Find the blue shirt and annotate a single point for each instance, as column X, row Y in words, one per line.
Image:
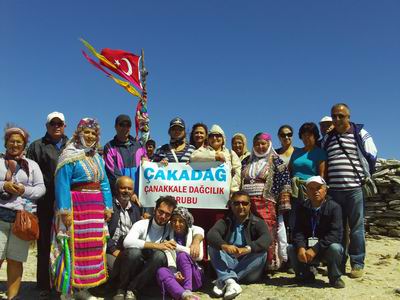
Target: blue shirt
column 237, row 236
column 305, row 164
column 79, row 171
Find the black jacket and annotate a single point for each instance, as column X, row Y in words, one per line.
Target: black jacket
column 256, row 233
column 134, row 215
column 329, row 228
column 45, row 153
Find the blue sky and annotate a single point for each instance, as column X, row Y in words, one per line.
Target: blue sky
column 249, row 66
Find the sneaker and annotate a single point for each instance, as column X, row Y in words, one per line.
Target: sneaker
column 84, row 295
column 130, row 295
column 338, row 283
column 120, row 295
column 188, row 295
column 219, row 288
column 356, row 272
column 232, row 289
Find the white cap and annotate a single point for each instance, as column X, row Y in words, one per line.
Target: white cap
column 317, row 179
column 326, row 119
column 55, row 114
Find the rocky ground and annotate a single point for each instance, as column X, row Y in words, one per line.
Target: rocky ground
column 382, row 278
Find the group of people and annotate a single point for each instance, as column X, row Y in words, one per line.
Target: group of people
column 288, row 208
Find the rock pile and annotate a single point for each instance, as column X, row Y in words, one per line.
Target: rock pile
column 383, row 210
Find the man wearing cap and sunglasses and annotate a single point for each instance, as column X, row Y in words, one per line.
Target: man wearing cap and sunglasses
column 45, row 151
column 122, row 155
column 238, row 247
column 317, row 235
column 178, row 149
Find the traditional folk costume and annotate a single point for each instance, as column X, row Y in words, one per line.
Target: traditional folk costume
column 83, row 192
column 265, row 177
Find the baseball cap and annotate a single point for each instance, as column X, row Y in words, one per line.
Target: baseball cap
column 123, row 118
column 326, row 119
column 177, row 122
column 317, row 179
column 55, row 114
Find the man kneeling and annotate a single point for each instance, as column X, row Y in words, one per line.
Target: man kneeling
column 237, row 247
column 317, row 235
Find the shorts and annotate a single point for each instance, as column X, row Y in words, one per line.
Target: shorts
column 12, row 247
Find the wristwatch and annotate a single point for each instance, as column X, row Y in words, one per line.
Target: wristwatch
column 248, row 248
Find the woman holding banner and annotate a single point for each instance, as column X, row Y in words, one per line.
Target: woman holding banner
column 216, row 151
column 198, row 135
column 267, row 180
column 83, row 206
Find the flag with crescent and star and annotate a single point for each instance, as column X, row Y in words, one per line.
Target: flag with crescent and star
column 126, row 64
column 112, row 66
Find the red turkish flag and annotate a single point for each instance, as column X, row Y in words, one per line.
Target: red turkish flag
column 127, row 64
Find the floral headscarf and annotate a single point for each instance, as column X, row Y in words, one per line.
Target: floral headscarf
column 184, row 214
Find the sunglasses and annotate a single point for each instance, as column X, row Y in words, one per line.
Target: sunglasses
column 283, row 135
column 215, row 136
column 58, row 124
column 124, row 125
column 243, row 203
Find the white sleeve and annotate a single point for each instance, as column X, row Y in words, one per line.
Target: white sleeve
column 203, row 154
column 135, row 236
column 368, row 142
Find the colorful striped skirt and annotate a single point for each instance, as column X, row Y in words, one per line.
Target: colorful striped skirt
column 88, row 239
column 78, row 253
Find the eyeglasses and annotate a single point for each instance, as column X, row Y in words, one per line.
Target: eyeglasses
column 338, row 116
column 243, row 203
column 161, row 213
column 283, row 135
column 56, row 124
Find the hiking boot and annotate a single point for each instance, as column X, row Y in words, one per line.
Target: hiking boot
column 130, row 295
column 232, row 289
column 120, row 295
column 356, row 272
column 338, row 283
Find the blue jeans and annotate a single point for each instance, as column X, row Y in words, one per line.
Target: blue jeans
column 248, row 268
column 352, row 204
column 333, row 257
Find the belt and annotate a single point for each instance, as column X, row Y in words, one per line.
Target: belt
column 80, row 186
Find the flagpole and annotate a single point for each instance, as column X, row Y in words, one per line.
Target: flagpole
column 145, row 128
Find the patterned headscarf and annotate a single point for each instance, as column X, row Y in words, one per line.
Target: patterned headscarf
column 88, row 123
column 12, row 161
column 184, row 214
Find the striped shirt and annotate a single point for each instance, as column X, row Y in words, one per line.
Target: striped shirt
column 341, row 174
column 165, row 153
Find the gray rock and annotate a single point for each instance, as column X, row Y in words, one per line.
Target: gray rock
column 394, row 233
column 394, row 202
column 395, row 179
column 392, row 163
column 375, row 204
column 387, row 223
column 381, row 173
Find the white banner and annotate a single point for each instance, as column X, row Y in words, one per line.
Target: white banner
column 195, row 185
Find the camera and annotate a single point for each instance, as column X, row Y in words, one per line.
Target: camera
column 5, row 196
